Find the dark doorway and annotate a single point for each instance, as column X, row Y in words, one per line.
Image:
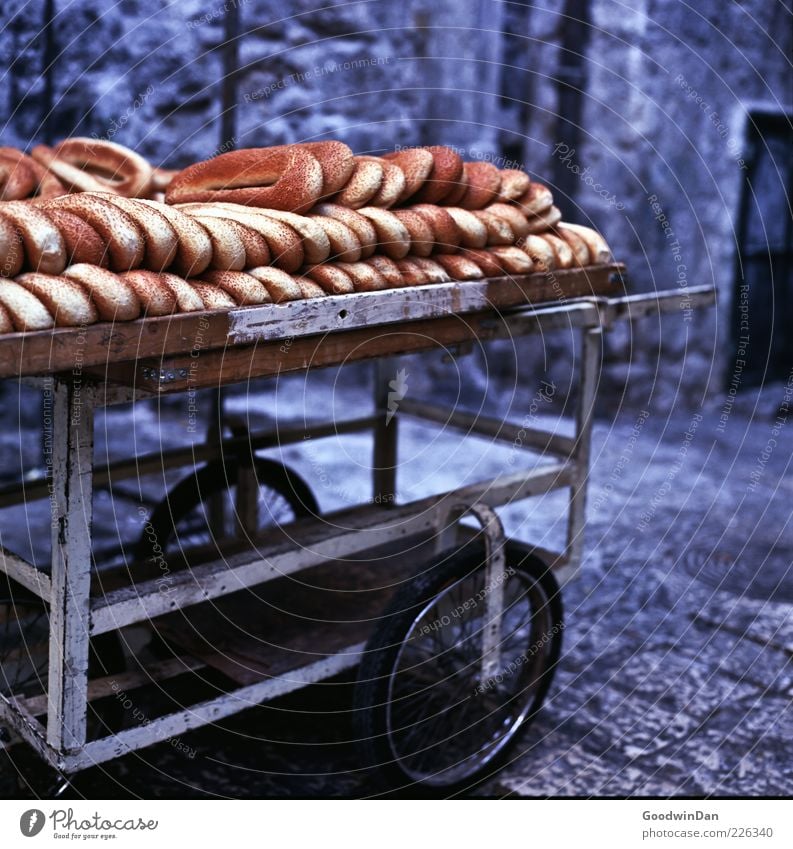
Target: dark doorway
column 762, row 338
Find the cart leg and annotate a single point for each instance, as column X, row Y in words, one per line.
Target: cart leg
column 592, row 340
column 388, row 391
column 72, row 454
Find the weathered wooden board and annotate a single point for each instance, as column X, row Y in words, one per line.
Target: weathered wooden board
column 75, row 349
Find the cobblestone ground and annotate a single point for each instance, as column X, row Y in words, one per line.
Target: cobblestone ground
column 676, row 674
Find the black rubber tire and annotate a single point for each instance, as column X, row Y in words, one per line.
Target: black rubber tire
column 213, row 478
column 382, row 652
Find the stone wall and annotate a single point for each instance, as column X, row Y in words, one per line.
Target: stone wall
column 657, row 168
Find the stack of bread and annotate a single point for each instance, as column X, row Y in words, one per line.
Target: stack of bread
column 92, row 242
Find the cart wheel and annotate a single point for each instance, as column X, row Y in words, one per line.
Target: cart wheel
column 425, row 716
column 207, row 506
column 24, row 665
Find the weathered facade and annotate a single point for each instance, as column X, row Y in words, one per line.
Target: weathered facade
column 637, row 115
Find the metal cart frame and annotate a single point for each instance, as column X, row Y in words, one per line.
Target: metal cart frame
column 270, row 341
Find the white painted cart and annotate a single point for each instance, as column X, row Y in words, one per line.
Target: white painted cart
column 451, row 665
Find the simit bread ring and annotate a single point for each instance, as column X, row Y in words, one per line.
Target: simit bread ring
column 161, row 241
column 411, row 273
column 416, row 164
column 433, row 271
column 514, row 183
column 484, row 184
column 422, row 236
column 6, row 325
column 344, row 244
column 564, row 253
column 364, row 184
column 459, row 267
column 83, row 243
column 316, row 244
column 498, row 230
column 443, row 179
column 25, row 310
column 288, row 178
column 577, row 245
column 13, row 256
column 458, row 192
column 45, row 250
column 599, row 251
column 545, row 221
column 17, row 180
column 473, row 232
column 541, row 253
column 118, row 168
column 228, row 249
column 513, row 260
column 72, row 177
column 243, row 288
column 113, row 297
column 213, row 297
column 256, row 250
column 47, row 184
column 331, row 279
column 512, row 215
column 536, row 200
column 388, row 269
column 393, row 237
column 285, row 245
column 447, row 234
column 364, row 277
column 392, row 185
column 155, row 296
column 336, row 161
column 309, row 289
column 194, row 245
column 359, row 224
column 187, row 299
column 490, row 266
column 124, row 239
column 280, row 285
column 66, row 301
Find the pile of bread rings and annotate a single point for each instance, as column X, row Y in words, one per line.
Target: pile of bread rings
column 92, row 238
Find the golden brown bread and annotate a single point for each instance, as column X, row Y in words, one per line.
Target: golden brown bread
column 228, row 248
column 444, row 176
column 118, row 168
column 194, row 244
column 45, row 249
column 6, row 324
column 47, row 184
column 599, row 251
column 459, row 267
column 155, row 296
column 124, row 239
column 473, row 232
column 159, row 235
column 536, row 200
column 66, row 301
column 280, row 285
column 12, row 255
column 114, row 298
column 517, row 221
column 422, row 237
column 213, row 297
column 363, row 185
column 243, row 288
column 498, row 230
column 344, row 243
column 288, row 178
column 365, row 278
column 544, row 221
column 83, row 243
column 541, row 253
column 360, row 225
column 416, row 164
column 393, row 238
column 411, row 273
column 331, row 279
column 17, row 180
column 388, row 269
column 309, row 289
column 391, row 187
column 484, row 184
column 577, row 245
column 563, row 251
column 514, row 184
column 447, row 234
column 513, row 260
column 316, row 244
column 25, row 310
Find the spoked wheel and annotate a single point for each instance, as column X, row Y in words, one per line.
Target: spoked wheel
column 24, row 668
column 226, row 500
column 429, row 713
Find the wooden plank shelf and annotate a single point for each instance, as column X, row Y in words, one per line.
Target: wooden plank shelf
column 93, row 349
